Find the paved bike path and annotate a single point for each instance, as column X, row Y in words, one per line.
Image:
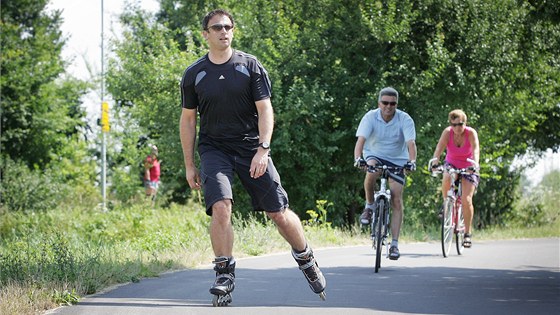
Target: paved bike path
column 493, row 277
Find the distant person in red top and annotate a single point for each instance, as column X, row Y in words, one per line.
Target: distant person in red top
column 462, row 145
column 151, row 173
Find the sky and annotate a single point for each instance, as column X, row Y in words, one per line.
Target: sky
column 549, row 163
column 82, row 26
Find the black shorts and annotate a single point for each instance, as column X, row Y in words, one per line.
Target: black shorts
column 399, row 177
column 216, row 173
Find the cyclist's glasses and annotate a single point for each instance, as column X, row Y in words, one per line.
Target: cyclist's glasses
column 457, row 124
column 219, row 27
column 388, row 103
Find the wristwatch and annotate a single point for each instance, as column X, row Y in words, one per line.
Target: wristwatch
column 265, row 145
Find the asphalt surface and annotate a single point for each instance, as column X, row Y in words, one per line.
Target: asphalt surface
column 493, row 277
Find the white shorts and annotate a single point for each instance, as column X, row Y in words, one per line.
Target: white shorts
column 151, row 184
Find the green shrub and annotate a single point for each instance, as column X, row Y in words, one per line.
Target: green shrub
column 23, row 189
column 539, row 205
column 529, row 212
column 41, row 260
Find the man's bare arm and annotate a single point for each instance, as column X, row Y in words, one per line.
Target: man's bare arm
column 187, row 132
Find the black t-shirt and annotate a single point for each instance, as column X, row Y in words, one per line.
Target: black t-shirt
column 225, row 96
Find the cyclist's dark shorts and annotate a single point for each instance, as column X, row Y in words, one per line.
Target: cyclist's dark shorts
column 216, row 173
column 472, row 178
column 399, row 176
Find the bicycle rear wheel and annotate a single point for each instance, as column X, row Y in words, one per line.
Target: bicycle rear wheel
column 379, row 232
column 460, row 230
column 447, row 226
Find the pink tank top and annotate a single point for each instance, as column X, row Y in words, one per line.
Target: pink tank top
column 457, row 156
column 154, row 170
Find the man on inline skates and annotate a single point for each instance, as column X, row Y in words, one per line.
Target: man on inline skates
column 231, row 90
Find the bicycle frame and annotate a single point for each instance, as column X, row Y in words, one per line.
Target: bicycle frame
column 382, row 197
column 383, row 192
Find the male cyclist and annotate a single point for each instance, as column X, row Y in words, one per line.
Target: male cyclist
column 386, row 135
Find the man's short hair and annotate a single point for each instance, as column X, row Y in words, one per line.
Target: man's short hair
column 211, row 14
column 388, row 91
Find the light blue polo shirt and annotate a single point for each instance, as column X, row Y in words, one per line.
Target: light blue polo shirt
column 387, row 140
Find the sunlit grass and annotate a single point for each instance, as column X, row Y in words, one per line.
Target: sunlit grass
column 544, row 231
column 25, row 298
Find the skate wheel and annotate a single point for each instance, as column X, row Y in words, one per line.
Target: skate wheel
column 221, row 300
column 323, row 295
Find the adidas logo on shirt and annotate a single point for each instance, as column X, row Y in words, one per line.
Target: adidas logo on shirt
column 221, row 77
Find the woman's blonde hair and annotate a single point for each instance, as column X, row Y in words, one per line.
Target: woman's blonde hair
column 457, row 113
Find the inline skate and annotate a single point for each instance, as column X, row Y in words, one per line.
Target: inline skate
column 225, row 280
column 313, row 274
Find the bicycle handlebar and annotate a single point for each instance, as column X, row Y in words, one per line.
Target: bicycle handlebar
column 381, row 167
column 438, row 169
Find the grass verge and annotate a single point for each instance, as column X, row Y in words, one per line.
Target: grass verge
column 54, row 258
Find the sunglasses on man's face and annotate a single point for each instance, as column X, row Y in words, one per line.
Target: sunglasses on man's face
column 219, row 27
column 388, row 103
column 457, row 124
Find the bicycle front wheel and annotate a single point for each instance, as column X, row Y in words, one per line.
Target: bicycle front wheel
column 460, row 230
column 379, row 223
column 447, row 226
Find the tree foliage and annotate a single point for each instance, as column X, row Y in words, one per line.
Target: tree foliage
column 144, row 79
column 496, row 60
column 42, row 118
column 40, row 109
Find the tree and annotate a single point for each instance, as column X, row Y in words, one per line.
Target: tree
column 41, row 109
column 44, row 156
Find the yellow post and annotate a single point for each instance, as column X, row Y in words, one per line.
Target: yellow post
column 105, row 117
